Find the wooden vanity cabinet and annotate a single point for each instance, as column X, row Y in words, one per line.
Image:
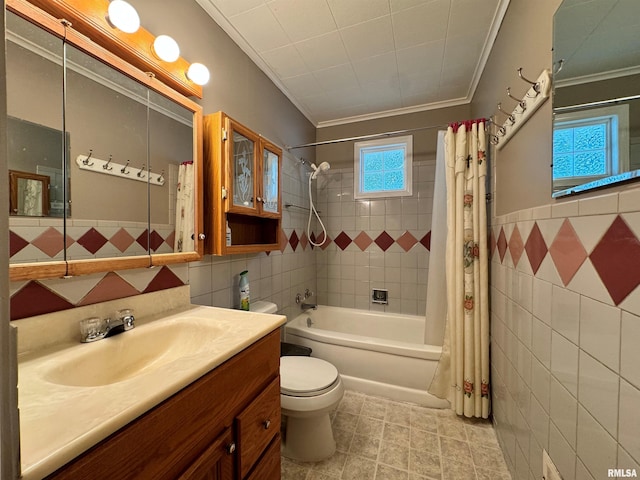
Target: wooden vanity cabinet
column 224, row 426
column 242, row 188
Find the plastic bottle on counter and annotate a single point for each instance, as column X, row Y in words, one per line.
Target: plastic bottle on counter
column 244, row 290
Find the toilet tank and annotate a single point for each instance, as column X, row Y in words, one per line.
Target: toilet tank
column 262, row 306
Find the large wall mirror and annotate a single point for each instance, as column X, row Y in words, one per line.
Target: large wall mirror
column 596, row 99
column 97, row 150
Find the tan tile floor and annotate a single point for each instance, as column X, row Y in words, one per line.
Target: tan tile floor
column 380, row 439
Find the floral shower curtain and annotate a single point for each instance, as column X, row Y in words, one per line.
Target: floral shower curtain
column 463, row 372
column 184, row 241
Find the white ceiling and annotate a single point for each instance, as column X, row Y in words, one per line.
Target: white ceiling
column 348, row 60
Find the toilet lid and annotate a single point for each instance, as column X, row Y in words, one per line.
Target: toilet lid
column 304, row 375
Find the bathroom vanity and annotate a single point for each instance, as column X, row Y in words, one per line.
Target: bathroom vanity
column 223, row 426
column 191, row 393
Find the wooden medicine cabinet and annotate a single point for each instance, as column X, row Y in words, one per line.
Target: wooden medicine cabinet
column 116, row 118
column 242, row 188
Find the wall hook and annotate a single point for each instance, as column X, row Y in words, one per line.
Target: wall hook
column 161, row 176
column 521, row 103
column 139, row 174
column 557, row 66
column 106, row 165
column 510, row 116
column 86, row 160
column 124, row 169
column 494, row 139
column 501, row 132
column 535, row 85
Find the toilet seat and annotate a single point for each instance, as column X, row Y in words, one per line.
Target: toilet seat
column 306, row 376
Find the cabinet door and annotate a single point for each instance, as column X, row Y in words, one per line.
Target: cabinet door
column 242, row 151
column 270, row 193
column 216, row 462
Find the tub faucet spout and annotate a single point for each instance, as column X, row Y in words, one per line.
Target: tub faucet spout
column 308, row 306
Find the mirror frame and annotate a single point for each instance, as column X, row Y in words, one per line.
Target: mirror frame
column 14, row 177
column 69, row 268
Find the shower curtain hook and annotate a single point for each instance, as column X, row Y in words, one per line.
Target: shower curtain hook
column 510, row 116
column 535, row 85
column 521, row 103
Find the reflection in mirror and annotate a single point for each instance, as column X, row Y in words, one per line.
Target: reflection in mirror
column 106, row 114
column 171, row 155
column 596, row 101
column 35, row 138
column 71, row 100
column 28, row 194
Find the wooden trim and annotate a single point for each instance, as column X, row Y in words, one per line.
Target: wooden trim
column 267, row 145
column 159, row 259
column 198, row 185
column 96, row 265
column 89, row 17
column 213, row 214
column 233, row 126
column 237, row 249
column 19, row 272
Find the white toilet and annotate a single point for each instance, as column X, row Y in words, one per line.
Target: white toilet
column 310, row 388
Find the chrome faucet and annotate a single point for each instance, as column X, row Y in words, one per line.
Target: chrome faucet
column 308, row 306
column 93, row 329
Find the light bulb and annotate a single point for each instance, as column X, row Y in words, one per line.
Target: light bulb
column 198, row 74
column 123, row 16
column 166, row 48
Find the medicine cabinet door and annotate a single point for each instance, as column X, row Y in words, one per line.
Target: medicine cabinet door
column 241, row 153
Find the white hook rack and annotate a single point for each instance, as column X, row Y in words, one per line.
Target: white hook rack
column 89, row 162
column 531, row 101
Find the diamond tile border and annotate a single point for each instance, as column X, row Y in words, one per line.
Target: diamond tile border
column 615, row 257
column 93, row 240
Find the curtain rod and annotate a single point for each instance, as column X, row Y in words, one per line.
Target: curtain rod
column 374, row 135
column 599, row 103
column 365, row 137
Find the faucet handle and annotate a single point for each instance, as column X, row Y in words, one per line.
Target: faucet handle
column 126, row 317
column 307, row 293
column 92, row 329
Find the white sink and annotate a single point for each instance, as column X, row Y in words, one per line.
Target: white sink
column 132, row 353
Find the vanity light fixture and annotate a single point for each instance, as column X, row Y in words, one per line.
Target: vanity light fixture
column 123, row 16
column 198, row 74
column 166, row 48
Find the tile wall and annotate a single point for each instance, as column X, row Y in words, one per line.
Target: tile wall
column 375, row 244
column 276, row 276
column 565, row 329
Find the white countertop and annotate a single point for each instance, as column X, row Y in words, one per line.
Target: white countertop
column 59, row 422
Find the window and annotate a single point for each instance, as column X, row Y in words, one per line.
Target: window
column 590, row 145
column 382, row 168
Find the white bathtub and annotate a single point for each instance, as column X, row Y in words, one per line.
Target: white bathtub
column 375, row 353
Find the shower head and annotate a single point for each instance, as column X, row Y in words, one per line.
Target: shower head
column 324, row 166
